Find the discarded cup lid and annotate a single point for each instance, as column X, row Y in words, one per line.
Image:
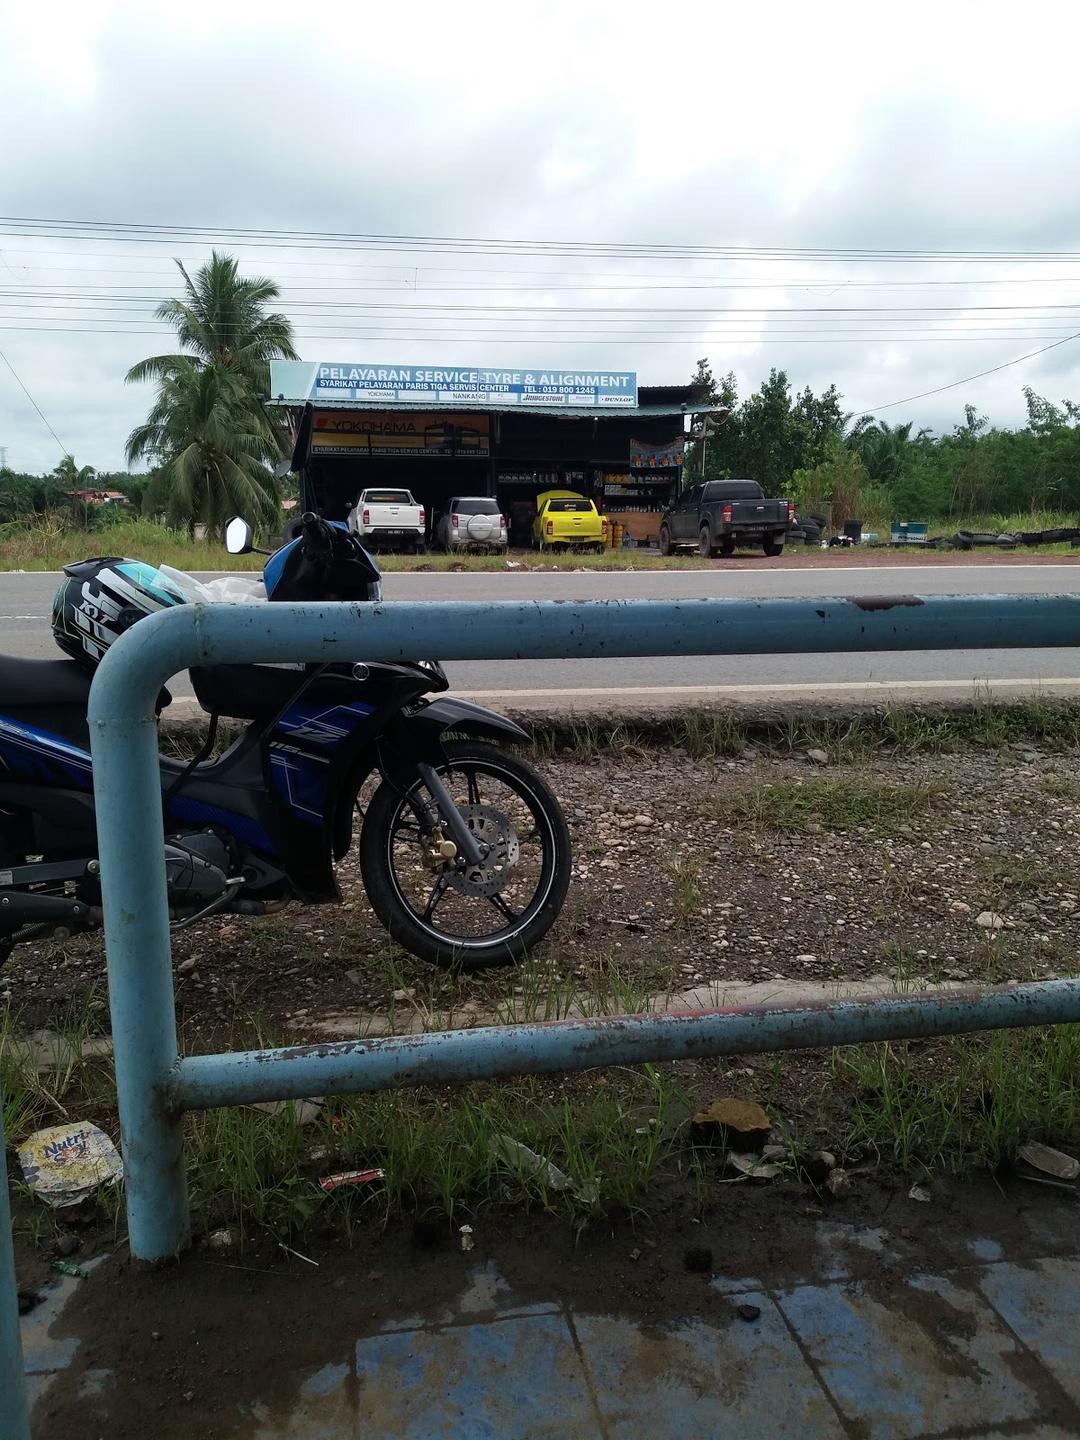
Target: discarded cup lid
column 66, row 1163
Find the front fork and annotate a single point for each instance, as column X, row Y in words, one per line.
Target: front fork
column 466, row 842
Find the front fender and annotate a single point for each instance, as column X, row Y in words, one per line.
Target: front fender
column 450, row 713
column 418, row 736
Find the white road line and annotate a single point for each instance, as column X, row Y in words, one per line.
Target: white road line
column 720, row 692
column 851, row 693
column 669, row 696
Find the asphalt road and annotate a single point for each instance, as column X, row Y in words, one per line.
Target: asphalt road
column 25, row 601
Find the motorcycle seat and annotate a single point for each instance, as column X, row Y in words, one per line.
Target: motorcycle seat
column 51, row 695
column 34, row 684
column 244, row 692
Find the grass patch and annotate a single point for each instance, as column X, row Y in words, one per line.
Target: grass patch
column 892, row 730
column 1010, row 872
column 965, row 1103
column 442, row 1153
column 686, row 873
column 49, row 543
column 535, row 560
column 72, row 1081
column 1061, row 787
column 620, row 1136
column 839, row 802
column 44, row 546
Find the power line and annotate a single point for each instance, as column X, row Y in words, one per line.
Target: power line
column 390, row 328
column 726, row 282
column 63, row 448
column 555, row 322
column 265, row 237
column 37, row 298
column 908, row 399
column 695, row 339
column 599, row 284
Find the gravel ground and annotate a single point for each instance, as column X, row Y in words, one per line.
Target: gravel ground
column 949, row 867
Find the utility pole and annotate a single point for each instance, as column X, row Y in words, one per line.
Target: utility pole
column 702, row 428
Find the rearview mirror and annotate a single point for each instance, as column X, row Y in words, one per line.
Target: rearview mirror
column 238, row 536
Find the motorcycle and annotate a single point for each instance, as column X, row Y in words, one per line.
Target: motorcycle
column 463, row 848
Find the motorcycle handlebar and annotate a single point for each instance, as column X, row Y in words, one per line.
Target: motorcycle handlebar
column 318, row 539
column 316, row 532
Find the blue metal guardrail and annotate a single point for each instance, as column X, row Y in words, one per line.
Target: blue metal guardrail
column 155, row 1085
column 14, row 1423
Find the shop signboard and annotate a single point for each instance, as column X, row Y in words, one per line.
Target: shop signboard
column 644, row 456
column 334, row 381
column 387, row 435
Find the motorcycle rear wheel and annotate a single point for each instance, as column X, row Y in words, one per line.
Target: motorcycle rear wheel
column 455, row 918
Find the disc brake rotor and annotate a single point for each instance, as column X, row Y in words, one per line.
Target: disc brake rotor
column 493, row 829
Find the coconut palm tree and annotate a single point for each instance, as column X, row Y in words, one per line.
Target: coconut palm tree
column 885, row 449
column 212, row 461
column 228, row 338
column 222, row 319
column 75, row 477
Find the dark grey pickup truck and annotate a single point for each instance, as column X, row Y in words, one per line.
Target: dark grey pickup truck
column 722, row 514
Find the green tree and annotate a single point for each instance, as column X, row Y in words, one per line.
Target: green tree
column 703, row 384
column 222, row 319
column 886, row 450
column 74, row 477
column 213, row 463
column 228, row 338
column 821, row 422
column 771, row 440
column 840, row 479
column 723, row 444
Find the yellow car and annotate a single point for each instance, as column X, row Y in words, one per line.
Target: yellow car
column 563, row 517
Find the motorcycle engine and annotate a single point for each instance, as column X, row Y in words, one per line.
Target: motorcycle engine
column 196, row 868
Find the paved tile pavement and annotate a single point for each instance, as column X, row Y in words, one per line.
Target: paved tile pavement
column 990, row 1348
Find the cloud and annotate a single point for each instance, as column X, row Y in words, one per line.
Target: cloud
column 792, row 127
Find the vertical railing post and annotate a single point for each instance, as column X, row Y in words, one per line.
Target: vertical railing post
column 14, row 1420
column 127, row 797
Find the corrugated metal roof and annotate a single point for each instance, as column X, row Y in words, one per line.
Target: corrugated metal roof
column 620, row 412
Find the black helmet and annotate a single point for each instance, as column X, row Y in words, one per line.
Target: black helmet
column 98, row 600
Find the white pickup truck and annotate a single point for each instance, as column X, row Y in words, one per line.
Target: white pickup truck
column 388, row 517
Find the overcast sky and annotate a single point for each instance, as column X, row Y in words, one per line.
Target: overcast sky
column 936, row 128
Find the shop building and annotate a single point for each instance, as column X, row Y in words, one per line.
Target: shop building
column 508, row 434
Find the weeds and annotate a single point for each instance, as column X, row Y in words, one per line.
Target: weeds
column 706, row 734
column 440, row 1154
column 1011, row 872
column 965, row 1102
column 839, row 802
column 956, row 1104
column 38, row 1076
column 1061, row 787
column 49, row 542
column 686, row 873
column 892, row 730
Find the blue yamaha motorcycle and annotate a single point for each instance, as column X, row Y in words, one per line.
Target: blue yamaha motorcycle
column 463, row 848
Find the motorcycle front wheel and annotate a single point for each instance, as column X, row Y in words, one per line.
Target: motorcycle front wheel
column 453, row 916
